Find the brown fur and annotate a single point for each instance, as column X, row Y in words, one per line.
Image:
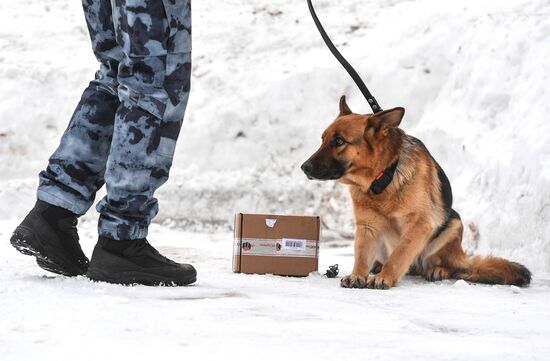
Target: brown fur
column 410, row 226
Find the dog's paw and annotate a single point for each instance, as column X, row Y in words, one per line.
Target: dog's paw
column 380, row 282
column 353, row 281
column 436, row 274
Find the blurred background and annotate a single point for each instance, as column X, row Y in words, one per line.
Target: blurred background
column 473, row 76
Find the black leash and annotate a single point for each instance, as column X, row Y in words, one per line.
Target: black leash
column 351, row 71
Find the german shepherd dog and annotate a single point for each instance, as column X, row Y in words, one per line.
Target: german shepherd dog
column 402, row 202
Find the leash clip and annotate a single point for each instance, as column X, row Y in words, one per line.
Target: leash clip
column 332, row 271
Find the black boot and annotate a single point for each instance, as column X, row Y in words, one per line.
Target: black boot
column 136, row 261
column 49, row 234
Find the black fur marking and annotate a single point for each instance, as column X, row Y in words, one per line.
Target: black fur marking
column 446, row 192
column 454, row 214
column 450, row 216
column 441, row 228
column 524, row 275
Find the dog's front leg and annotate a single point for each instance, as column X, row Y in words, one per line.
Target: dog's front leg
column 366, row 236
column 415, row 237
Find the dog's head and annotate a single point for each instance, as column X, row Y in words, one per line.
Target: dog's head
column 356, row 145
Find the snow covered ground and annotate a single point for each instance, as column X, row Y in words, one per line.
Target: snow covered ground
column 245, row 317
column 473, row 77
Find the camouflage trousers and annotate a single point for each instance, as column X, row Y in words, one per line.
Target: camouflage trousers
column 124, row 129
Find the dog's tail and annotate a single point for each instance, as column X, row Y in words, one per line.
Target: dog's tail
column 493, row 270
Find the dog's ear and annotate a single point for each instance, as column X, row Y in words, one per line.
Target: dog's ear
column 390, row 118
column 344, row 109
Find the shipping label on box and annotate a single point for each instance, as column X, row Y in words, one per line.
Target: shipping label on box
column 275, row 244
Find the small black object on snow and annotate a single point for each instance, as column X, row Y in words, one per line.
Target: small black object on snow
column 332, row 271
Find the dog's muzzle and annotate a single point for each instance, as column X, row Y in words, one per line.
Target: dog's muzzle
column 312, row 171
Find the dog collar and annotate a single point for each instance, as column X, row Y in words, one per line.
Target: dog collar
column 383, row 179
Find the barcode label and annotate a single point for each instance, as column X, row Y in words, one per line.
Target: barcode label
column 293, row 244
column 283, row 247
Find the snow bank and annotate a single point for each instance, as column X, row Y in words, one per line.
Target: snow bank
column 472, row 75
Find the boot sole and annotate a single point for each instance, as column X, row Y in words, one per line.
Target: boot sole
column 132, row 278
column 25, row 241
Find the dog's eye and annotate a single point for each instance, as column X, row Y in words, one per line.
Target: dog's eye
column 338, row 142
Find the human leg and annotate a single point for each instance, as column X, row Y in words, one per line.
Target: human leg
column 75, row 170
column 154, row 81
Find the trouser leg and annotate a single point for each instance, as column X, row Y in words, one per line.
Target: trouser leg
column 75, row 170
column 154, row 82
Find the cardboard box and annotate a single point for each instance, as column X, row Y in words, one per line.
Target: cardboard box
column 275, row 244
